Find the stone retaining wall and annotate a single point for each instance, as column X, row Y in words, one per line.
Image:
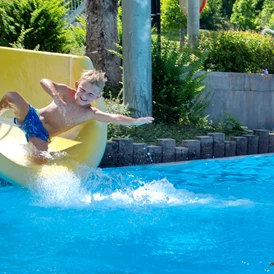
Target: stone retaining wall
column 248, row 97
column 123, row 152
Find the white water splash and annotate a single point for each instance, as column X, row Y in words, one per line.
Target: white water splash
column 93, row 188
column 59, row 186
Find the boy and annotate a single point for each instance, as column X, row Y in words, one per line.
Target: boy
column 69, row 108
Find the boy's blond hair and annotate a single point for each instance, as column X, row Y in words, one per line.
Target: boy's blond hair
column 94, row 76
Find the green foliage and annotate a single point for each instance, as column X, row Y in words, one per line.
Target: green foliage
column 33, row 24
column 227, row 7
column 119, row 22
column 233, row 51
column 73, row 4
column 221, row 14
column 76, row 36
column 271, row 21
column 266, row 16
column 114, row 105
column 244, row 14
column 172, row 17
column 212, row 18
column 149, row 134
column 228, row 125
column 177, row 88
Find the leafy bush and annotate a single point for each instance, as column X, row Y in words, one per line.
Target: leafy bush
column 114, row 105
column 76, row 36
column 177, row 89
column 234, row 51
column 33, row 24
column 228, row 125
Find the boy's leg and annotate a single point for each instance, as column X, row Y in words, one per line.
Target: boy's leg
column 38, row 155
column 12, row 100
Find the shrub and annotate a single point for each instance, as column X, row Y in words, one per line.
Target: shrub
column 228, row 125
column 33, row 24
column 114, row 105
column 177, row 88
column 236, row 51
column 76, row 36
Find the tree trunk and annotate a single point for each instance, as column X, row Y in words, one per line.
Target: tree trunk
column 182, row 36
column 101, row 35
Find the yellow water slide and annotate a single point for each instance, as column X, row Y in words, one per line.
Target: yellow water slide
column 21, row 71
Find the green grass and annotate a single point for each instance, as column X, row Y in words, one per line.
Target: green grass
column 173, row 35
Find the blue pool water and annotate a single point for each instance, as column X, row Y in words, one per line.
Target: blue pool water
column 211, row 216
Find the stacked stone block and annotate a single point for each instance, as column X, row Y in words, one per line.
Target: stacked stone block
column 123, row 152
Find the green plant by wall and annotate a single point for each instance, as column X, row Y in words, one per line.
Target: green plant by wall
column 33, row 24
column 228, row 125
column 237, row 51
column 177, row 89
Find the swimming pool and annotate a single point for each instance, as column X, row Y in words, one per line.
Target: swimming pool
column 212, row 216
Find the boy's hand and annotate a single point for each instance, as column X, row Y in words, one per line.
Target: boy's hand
column 144, row 120
column 60, row 104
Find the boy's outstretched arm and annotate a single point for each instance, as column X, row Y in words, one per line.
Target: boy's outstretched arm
column 119, row 119
column 52, row 88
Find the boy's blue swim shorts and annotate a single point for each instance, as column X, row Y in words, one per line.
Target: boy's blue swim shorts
column 33, row 126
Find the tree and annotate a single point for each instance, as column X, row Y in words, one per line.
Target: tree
column 212, row 17
column 244, row 14
column 227, row 7
column 101, row 36
column 266, row 17
column 172, row 17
